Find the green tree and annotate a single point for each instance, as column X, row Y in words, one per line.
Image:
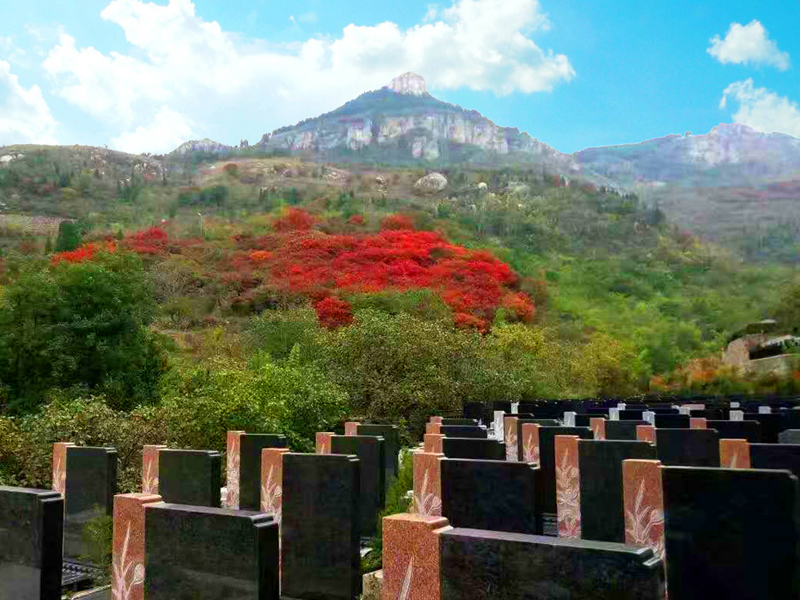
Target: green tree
column 69, row 236
column 788, row 310
column 48, row 246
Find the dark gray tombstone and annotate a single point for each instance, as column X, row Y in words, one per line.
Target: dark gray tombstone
column 731, row 533
column 478, row 449
column 250, row 447
column 672, row 421
column 688, row 447
column 521, row 438
column 623, row 430
column 629, row 414
column 547, row 462
column 202, row 553
column 737, row 430
column 391, row 445
column 370, row 452
column 91, row 483
column 190, row 477
column 776, row 456
column 320, row 527
column 790, row 436
column 771, row 426
column 488, row 565
column 463, row 422
column 464, row 431
column 489, row 494
column 31, row 537
column 602, row 501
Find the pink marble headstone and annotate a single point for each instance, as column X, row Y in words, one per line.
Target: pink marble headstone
column 427, row 484
column 433, row 443
column 128, row 572
column 510, row 426
column 323, row 442
column 734, row 454
column 351, row 428
column 598, row 426
column 646, row 433
column 234, row 458
column 698, row 423
column 568, row 486
column 644, row 504
column 60, row 466
column 150, row 468
column 530, row 443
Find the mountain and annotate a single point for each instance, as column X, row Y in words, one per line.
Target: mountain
column 403, row 123
column 204, row 146
column 728, row 155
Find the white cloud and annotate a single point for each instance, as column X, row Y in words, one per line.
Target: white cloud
column 167, row 131
column 25, row 117
column 192, row 67
column 762, row 109
column 746, row 44
column 11, row 52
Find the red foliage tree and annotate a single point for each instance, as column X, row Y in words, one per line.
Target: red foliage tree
column 333, row 313
column 395, row 222
column 295, row 220
column 149, row 242
column 356, row 220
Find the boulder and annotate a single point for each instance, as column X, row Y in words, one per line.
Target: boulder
column 433, row 182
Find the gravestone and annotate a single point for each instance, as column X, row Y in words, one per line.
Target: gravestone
column 478, row 449
column 628, row 414
column 190, row 477
column 731, row 533
column 391, row 444
column 583, row 420
column 521, row 441
column 200, row 552
column 776, row 456
column 31, row 537
column 462, row 422
column 370, row 452
column 321, row 527
column 601, row 489
column 489, row 494
column 737, row 430
column 488, row 565
column 688, row 447
column 672, row 421
column 91, row 483
column 546, row 502
column 464, row 431
column 248, row 466
column 771, row 426
column 622, row 430
column 790, row 436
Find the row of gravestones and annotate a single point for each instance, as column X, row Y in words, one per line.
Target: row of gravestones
column 302, row 514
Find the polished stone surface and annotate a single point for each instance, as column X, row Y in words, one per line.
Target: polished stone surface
column 454, row 421
column 411, row 557
column 489, row 494
column 771, row 426
column 463, row 431
column 623, row 430
column 321, row 527
column 688, row 447
column 602, row 501
column 790, row 436
column 776, row 456
column 489, row 565
column 31, row 530
column 370, row 451
column 734, row 454
column 391, row 439
column 672, row 421
column 547, row 452
column 737, row 430
column 89, row 493
column 478, row 449
column 198, row 553
column 190, row 477
column 731, row 533
column 522, row 440
column 644, row 505
column 251, row 445
column 127, row 548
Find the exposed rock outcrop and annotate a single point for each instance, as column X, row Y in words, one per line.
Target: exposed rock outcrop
column 432, row 182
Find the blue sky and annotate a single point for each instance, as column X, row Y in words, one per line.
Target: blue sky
column 144, row 76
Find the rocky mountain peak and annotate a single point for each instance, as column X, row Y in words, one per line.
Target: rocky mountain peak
column 410, row 84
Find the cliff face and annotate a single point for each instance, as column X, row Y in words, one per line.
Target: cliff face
column 402, row 122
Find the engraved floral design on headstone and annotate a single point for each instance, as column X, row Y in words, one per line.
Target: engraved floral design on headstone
column 150, row 479
column 645, row 524
column 511, row 445
column 597, row 430
column 59, row 476
column 530, row 450
column 568, row 498
column 232, row 497
column 271, row 496
column 405, row 590
column 127, row 574
column 427, row 504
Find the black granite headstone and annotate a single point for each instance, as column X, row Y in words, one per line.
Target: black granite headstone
column 462, row 422
column 790, row 436
column 370, row 451
column 547, row 462
column 583, row 420
column 203, row 553
column 623, row 430
column 89, row 490
column 250, row 447
column 489, row 494
column 391, row 444
column 731, row 533
column 521, row 438
column 776, row 456
column 688, row 447
column 771, row 426
column 672, row 421
column 602, row 501
column 629, row 414
column 190, row 477
column 478, row 449
column 31, row 537
column 320, row 527
column 737, row 430
column 488, row 565
column 464, row 431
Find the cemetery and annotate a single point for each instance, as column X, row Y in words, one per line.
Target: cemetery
column 580, row 500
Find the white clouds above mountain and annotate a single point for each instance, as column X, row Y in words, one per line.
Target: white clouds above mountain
column 762, row 109
column 24, row 114
column 183, row 69
column 746, row 45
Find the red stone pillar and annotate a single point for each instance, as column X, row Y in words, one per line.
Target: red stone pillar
column 272, row 481
column 60, row 466
column 436, row 420
column 234, row 457
column 646, row 433
column 698, row 423
column 734, row 454
column 127, row 578
column 433, row 443
column 644, row 505
column 323, row 442
column 427, row 484
column 598, row 425
column 510, row 426
column 433, row 428
column 411, row 557
column 568, row 486
column 351, row 428
column 150, row 468
column 530, row 443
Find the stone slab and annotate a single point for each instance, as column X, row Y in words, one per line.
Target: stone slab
column 672, row 421
column 688, row 447
column 473, row 448
column 776, row 456
column 244, row 466
column 463, row 431
column 737, row 430
column 623, row 430
column 411, row 557
column 370, row 452
column 391, row 439
column 128, row 545
column 190, row 477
